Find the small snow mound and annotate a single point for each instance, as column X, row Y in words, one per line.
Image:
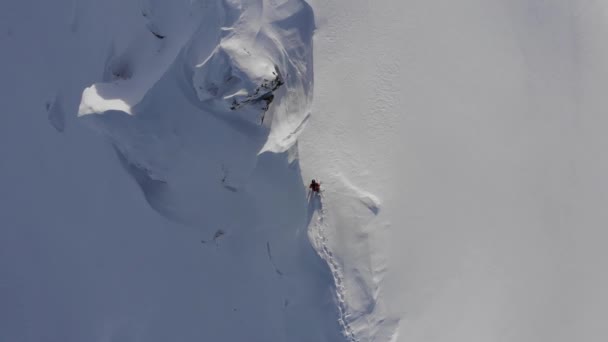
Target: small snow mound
column 369, row 200
column 98, row 99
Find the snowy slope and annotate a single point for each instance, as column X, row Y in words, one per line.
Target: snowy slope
column 190, row 115
column 479, row 126
column 155, row 156
column 183, row 219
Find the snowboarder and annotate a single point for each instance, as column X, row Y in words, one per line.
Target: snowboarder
column 314, row 186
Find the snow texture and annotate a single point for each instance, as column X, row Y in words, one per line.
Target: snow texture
column 228, row 258
column 480, row 126
column 203, row 103
column 459, row 144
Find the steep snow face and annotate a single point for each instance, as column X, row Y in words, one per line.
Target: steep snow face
column 190, row 110
column 204, row 114
column 460, row 145
column 85, row 257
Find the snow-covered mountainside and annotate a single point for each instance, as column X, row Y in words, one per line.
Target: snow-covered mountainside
column 198, row 104
column 156, row 153
column 191, row 113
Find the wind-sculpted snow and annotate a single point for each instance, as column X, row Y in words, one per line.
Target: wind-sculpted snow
column 204, row 114
column 192, row 108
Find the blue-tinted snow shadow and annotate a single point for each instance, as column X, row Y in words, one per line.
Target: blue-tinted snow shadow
column 289, row 208
column 186, row 146
column 283, row 210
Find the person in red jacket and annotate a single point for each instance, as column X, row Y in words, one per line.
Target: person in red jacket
column 314, row 186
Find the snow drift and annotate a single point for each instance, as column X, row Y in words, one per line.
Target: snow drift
column 190, row 113
column 460, row 146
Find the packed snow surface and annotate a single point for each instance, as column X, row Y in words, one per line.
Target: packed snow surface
column 459, row 145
